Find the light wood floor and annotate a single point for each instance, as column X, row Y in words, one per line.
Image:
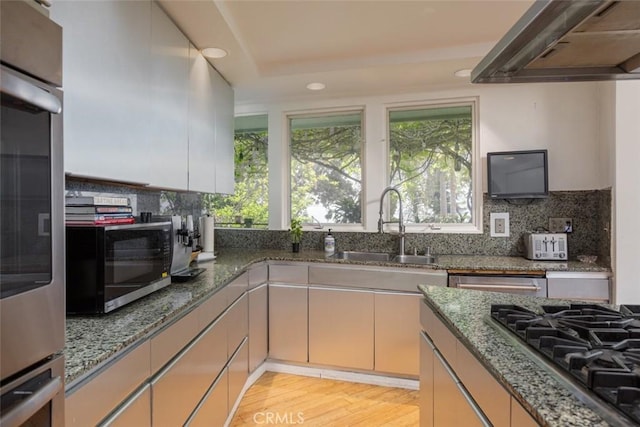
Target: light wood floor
column 285, row 399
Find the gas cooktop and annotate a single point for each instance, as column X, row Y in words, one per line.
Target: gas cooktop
column 598, row 347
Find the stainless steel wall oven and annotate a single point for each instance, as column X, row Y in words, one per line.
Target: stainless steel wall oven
column 31, row 218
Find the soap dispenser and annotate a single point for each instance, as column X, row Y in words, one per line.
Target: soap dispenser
column 329, row 244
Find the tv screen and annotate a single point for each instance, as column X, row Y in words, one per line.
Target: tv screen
column 517, row 174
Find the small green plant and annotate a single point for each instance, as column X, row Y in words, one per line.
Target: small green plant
column 296, row 230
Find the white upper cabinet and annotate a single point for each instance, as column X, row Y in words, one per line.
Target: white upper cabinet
column 106, row 68
column 202, row 122
column 141, row 104
column 224, row 105
column 169, row 81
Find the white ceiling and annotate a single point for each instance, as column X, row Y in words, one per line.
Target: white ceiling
column 355, row 47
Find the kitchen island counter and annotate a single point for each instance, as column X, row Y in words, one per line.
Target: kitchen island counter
column 538, row 389
column 92, row 341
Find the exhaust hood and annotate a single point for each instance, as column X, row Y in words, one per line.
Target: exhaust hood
column 567, row 40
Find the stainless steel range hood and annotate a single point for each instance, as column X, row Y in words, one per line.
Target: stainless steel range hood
column 567, row 40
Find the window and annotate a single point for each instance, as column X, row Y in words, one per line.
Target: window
column 249, row 206
column 326, row 168
column 431, row 161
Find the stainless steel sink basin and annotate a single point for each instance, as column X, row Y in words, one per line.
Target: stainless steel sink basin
column 414, row 259
column 362, row 256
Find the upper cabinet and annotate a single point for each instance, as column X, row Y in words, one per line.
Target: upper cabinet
column 106, row 68
column 142, row 105
column 169, row 82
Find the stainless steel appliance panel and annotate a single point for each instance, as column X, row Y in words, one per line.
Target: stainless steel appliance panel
column 31, row 42
column 535, row 286
column 32, row 272
column 36, row 398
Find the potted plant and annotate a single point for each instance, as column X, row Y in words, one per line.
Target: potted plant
column 296, row 234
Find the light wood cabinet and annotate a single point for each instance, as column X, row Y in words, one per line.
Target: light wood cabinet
column 341, row 327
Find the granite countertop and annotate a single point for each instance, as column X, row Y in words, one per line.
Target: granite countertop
column 94, row 340
column 537, row 389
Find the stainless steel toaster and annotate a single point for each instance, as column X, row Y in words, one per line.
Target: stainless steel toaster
column 546, row 246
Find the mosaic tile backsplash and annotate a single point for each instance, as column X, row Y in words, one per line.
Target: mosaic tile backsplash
column 590, row 211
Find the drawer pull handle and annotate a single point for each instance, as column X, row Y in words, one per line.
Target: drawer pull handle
column 501, row 287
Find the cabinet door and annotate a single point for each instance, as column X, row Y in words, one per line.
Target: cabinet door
column 134, row 412
column 214, row 409
column 238, row 372
column 181, row 385
column 202, row 124
column 237, row 319
column 426, row 381
column 341, row 327
column 397, row 333
column 288, row 330
column 224, row 109
column 169, row 103
column 106, row 68
column 258, row 321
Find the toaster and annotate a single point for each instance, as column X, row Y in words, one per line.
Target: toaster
column 546, row 246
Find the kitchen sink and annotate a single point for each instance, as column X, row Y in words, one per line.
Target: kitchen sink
column 362, row 256
column 414, row 259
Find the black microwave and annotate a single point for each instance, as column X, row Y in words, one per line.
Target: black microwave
column 112, row 265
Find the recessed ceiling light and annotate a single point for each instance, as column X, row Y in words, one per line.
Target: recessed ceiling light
column 465, row 72
column 214, row 52
column 316, row 86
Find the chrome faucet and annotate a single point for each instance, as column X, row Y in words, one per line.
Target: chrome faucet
column 381, row 222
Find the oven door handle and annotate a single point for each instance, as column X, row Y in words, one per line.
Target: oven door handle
column 500, row 287
column 30, row 93
column 28, row 407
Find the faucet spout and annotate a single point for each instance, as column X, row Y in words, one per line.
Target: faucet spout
column 400, row 221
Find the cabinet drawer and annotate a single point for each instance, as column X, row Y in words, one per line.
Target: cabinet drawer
column 237, row 287
column 212, row 308
column 237, row 320
column 258, row 326
column 289, row 273
column 520, row 417
column 181, row 385
column 103, row 393
column 376, row 278
column 214, row 409
column 486, row 391
column 238, row 372
column 258, row 274
column 579, row 288
column 136, row 411
column 443, row 339
column 166, row 344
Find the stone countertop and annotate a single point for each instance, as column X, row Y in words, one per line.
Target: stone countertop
column 94, row 340
column 538, row 389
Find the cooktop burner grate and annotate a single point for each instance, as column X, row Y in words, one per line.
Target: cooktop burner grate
column 599, row 347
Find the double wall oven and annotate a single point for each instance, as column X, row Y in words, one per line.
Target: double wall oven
column 31, row 218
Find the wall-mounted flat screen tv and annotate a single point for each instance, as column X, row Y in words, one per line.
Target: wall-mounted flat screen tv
column 517, row 174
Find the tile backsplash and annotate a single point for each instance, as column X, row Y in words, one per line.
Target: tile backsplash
column 590, row 211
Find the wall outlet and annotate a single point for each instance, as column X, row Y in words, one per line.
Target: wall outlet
column 499, row 224
column 560, row 225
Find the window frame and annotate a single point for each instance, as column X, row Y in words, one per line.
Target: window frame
column 286, row 121
column 474, row 227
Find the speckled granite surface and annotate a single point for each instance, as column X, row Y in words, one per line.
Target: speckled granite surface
column 93, row 340
column 467, row 312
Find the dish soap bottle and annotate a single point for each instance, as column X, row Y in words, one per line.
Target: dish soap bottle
column 329, row 244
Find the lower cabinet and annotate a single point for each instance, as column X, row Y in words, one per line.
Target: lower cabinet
column 258, row 326
column 397, row 333
column 136, row 411
column 180, row 386
column 214, row 409
column 288, row 322
column 455, row 388
column 341, row 325
column 238, row 372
